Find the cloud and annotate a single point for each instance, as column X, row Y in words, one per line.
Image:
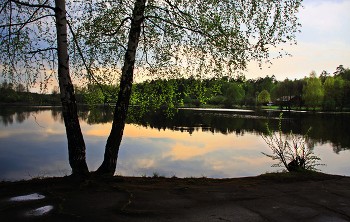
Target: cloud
column 323, row 43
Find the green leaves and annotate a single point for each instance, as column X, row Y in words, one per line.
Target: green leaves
column 264, row 96
column 313, row 92
column 27, row 39
column 293, row 151
column 211, row 37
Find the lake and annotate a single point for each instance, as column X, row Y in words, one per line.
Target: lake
column 215, row 143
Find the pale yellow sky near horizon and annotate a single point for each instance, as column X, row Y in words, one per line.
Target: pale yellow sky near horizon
column 323, row 43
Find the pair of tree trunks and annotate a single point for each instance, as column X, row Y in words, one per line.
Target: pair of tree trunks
column 76, row 144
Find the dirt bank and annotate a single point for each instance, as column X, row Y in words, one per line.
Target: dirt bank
column 270, row 197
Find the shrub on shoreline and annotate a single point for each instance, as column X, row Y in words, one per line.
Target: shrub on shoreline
column 291, row 150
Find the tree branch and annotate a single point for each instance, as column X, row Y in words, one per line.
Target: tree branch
column 114, row 42
column 144, row 46
column 82, row 57
column 30, row 18
column 42, row 50
column 24, row 23
column 118, row 28
column 180, row 14
column 176, row 25
column 177, row 8
column 4, row 6
column 158, row 26
column 33, row 5
column 157, row 7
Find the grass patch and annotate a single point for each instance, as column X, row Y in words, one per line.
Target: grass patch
column 157, row 175
column 191, row 181
column 297, row 176
column 174, row 176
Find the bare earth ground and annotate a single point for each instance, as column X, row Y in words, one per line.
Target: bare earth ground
column 269, row 197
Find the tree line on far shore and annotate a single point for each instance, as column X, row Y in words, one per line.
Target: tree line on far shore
column 329, row 92
column 11, row 93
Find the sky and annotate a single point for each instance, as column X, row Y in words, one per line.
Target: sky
column 323, row 44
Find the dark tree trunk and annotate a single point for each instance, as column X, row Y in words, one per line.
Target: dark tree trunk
column 115, row 137
column 76, row 144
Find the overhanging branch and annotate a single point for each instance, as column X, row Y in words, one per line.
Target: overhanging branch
column 118, row 28
column 30, row 17
column 158, row 26
column 144, row 46
column 178, row 26
column 24, row 23
column 114, row 42
column 179, row 10
column 34, row 5
column 42, row 50
column 83, row 58
column 4, row 6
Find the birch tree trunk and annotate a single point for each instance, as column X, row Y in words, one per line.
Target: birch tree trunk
column 115, row 137
column 76, row 144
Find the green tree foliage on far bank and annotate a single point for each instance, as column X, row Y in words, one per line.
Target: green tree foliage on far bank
column 313, row 91
column 264, row 97
column 11, row 93
column 329, row 92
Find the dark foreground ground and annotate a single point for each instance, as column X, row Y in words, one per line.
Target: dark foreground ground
column 269, row 197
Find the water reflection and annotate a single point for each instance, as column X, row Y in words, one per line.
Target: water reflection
column 33, row 196
column 39, row 211
column 327, row 128
column 191, row 143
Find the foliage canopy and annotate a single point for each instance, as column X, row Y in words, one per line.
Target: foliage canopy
column 185, row 37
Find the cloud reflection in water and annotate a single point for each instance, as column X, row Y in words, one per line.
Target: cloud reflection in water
column 29, row 150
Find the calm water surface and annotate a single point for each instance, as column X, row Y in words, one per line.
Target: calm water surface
column 211, row 143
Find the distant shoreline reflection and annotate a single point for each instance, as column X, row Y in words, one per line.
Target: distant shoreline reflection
column 213, row 143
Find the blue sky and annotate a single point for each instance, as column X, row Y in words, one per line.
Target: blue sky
column 323, row 44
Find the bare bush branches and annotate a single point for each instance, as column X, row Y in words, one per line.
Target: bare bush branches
column 293, row 151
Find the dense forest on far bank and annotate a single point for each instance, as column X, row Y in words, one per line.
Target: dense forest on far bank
column 327, row 91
